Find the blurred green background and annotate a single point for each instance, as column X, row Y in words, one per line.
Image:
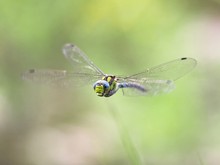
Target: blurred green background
column 40, row 125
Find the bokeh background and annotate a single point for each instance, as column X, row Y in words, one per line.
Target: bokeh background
column 40, row 125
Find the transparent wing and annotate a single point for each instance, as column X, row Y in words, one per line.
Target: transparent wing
column 172, row 70
column 149, row 87
column 80, row 62
column 59, row 78
column 84, row 71
column 159, row 79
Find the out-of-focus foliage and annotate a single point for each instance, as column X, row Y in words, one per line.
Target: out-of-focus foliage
column 42, row 125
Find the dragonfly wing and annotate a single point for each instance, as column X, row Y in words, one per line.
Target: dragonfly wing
column 60, row 78
column 159, row 79
column 172, row 70
column 81, row 63
column 148, row 87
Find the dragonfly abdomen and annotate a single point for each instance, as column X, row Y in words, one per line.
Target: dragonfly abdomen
column 133, row 85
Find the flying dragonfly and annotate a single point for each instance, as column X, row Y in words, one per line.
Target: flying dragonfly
column 152, row 81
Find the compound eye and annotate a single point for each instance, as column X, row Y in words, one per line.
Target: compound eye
column 105, row 84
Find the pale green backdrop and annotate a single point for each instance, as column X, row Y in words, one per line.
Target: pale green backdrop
column 40, row 125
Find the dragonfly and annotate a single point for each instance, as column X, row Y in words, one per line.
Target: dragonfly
column 151, row 81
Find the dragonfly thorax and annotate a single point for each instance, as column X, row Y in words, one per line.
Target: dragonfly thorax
column 105, row 87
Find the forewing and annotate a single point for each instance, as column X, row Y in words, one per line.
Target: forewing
column 172, row 70
column 80, row 62
column 59, row 78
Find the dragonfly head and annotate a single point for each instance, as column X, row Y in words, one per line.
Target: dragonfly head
column 100, row 87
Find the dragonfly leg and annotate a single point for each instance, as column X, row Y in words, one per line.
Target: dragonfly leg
column 112, row 92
